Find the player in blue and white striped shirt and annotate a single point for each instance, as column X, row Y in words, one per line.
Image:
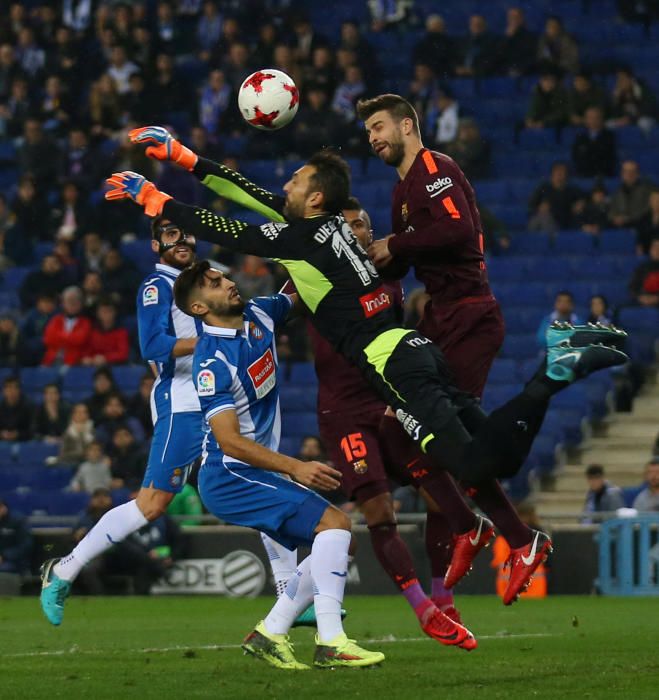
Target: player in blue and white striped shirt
column 242, row 478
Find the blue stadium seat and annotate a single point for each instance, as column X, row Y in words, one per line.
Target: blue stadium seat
column 12, row 278
column 11, row 477
column 289, row 446
column 639, row 318
column 526, row 243
column 33, row 378
column 46, row 478
column 299, row 424
column 79, row 395
column 520, row 346
column 570, row 242
column 618, row 241
column 128, row 377
column 35, row 452
column 503, row 371
column 297, row 398
column 78, row 377
column 300, row 373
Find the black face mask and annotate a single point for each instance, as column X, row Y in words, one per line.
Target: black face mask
column 183, row 239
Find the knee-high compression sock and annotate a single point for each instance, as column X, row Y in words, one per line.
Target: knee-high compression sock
column 439, row 547
column 113, row 527
column 282, row 562
column 329, row 570
column 443, row 490
column 295, row 599
column 396, row 560
column 493, row 501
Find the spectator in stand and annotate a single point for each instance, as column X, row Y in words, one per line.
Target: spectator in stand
column 186, row 508
column 542, row 220
column 70, row 219
column 92, row 253
column 564, row 199
column 436, row 49
column 643, row 11
column 9, row 69
column 127, row 459
column 209, row 30
column 390, row 14
column 104, row 107
column 647, row 228
column 52, row 416
column 594, row 149
column 423, row 91
column 283, row 59
column 103, row 385
column 114, row 416
column 94, row 473
column 120, row 280
column 237, row 64
column 49, row 280
column 83, row 164
column 312, row 450
column 253, row 277
column 594, row 217
column 139, row 406
column 351, row 89
column 470, row 150
column 92, row 292
column 519, row 46
column 12, row 346
column 214, row 101
column 67, row 334
column 630, row 202
column 316, row 125
column 321, row 73
column 31, row 57
column 548, row 106
column 55, row 109
column 109, row 343
column 583, row 94
column 306, row 39
column 16, row 109
column 599, row 310
column 15, row 542
column 33, row 326
column 443, row 118
column 648, row 500
column 601, row 497
column 353, row 40
column 16, row 412
column 263, row 52
column 557, row 47
column 31, row 211
column 136, row 103
column 479, row 50
column 167, row 33
column 632, row 102
column 563, row 311
column 644, row 284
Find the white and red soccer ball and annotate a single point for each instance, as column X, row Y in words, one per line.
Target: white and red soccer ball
column 268, row 99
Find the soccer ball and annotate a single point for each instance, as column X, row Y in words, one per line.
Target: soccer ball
column 268, row 99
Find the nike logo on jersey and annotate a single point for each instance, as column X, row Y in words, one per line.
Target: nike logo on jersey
column 529, row 560
column 205, row 363
column 475, row 540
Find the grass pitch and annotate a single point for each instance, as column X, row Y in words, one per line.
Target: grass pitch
column 184, row 648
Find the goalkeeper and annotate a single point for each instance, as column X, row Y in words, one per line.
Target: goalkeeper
column 348, row 306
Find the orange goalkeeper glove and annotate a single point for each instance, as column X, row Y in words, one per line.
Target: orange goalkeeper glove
column 130, row 185
column 165, row 147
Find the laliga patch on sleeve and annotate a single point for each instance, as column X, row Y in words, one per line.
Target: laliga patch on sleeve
column 150, row 295
column 205, row 383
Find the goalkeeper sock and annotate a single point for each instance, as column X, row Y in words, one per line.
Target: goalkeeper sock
column 282, row 562
column 113, row 527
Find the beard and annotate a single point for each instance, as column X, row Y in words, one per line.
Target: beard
column 170, row 257
column 396, row 153
column 227, row 310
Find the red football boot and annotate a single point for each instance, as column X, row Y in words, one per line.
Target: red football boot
column 523, row 562
column 443, row 629
column 465, row 549
column 453, row 613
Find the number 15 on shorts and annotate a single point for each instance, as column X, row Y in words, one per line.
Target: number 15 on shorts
column 354, row 447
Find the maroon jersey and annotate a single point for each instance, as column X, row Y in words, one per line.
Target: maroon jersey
column 341, row 386
column 438, row 229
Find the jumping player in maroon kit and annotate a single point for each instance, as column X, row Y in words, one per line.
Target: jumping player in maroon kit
column 349, row 416
column 437, row 231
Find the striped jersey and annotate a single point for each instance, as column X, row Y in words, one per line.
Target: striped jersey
column 160, row 324
column 236, row 369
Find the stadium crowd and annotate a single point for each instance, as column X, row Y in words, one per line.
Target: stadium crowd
column 76, row 76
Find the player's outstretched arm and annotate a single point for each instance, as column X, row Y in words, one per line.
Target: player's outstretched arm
column 229, row 233
column 224, row 181
column 226, row 431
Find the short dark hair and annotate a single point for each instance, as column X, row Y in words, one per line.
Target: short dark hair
column 594, row 470
column 11, row 380
column 565, row 293
column 332, row 178
column 188, row 280
column 353, row 204
column 397, row 107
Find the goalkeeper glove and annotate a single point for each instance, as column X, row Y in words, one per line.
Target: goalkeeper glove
column 165, row 147
column 130, row 185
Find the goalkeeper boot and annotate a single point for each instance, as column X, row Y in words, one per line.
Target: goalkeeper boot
column 563, row 334
column 567, row 364
column 308, row 617
column 275, row 649
column 344, row 652
column 54, row 591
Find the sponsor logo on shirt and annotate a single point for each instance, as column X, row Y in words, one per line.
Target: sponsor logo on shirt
column 410, row 424
column 374, row 302
column 150, row 295
column 262, row 374
column 418, row 341
column 205, row 383
column 271, row 230
column 440, row 185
